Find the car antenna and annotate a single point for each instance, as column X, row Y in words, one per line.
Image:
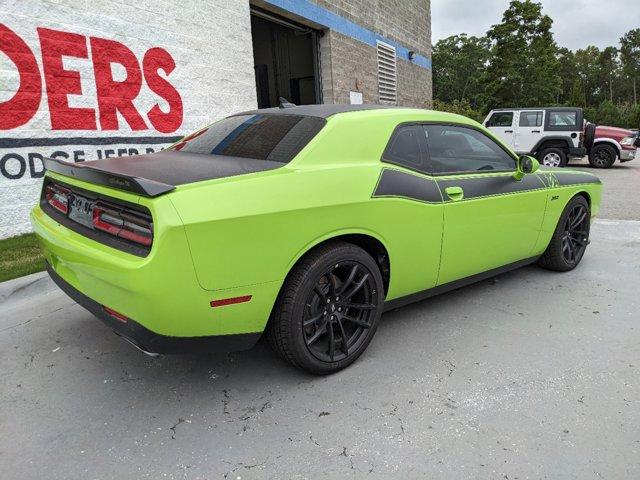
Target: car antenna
column 284, row 103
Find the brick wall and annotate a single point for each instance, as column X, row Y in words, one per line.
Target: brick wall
column 407, row 22
column 181, row 69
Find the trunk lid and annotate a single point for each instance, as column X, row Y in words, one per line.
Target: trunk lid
column 158, row 173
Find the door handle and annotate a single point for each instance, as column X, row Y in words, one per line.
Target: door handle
column 508, row 131
column 454, row 193
column 535, row 131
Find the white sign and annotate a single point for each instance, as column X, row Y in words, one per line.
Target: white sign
column 355, row 98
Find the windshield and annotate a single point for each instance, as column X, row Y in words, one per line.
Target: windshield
column 272, row 137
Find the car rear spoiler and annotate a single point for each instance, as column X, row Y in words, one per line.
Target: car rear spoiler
column 84, row 171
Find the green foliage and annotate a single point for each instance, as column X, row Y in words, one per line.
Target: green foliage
column 459, row 62
column 20, row 256
column 608, row 114
column 634, row 117
column 522, row 70
column 630, row 61
column 577, row 97
column 460, row 107
column 518, row 64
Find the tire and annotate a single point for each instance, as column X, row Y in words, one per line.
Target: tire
column 553, row 157
column 589, row 135
column 318, row 293
column 602, row 156
column 556, row 255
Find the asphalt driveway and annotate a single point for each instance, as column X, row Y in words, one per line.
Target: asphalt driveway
column 532, row 374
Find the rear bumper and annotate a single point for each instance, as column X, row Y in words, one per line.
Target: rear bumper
column 152, row 342
column 627, row 155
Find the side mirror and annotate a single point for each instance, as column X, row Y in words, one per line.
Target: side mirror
column 526, row 165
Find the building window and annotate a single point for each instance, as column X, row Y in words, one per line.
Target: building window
column 387, row 79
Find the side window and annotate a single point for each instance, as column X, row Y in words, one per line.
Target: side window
column 562, row 119
column 453, row 149
column 500, row 119
column 531, row 119
column 405, row 147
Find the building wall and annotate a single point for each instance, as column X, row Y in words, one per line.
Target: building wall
column 348, row 54
column 182, row 70
column 86, row 79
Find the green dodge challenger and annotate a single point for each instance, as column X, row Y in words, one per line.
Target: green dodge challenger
column 304, row 223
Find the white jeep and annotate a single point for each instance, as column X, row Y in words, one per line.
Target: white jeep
column 552, row 135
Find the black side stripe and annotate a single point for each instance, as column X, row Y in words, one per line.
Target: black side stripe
column 476, row 187
column 562, row 179
column 394, row 183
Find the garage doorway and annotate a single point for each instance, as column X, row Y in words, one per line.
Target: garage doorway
column 286, row 59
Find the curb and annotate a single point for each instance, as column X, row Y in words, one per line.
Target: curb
column 13, row 291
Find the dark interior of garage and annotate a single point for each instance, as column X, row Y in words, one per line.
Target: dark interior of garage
column 284, row 60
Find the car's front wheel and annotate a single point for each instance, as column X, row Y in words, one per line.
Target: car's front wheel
column 571, row 237
column 328, row 309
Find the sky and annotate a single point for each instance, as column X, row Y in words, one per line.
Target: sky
column 576, row 23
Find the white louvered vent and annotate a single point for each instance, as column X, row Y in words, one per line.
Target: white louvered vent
column 387, row 79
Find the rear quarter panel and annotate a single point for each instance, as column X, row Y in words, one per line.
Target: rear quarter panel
column 251, row 230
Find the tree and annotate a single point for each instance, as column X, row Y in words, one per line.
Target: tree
column 608, row 66
column 630, row 58
column 608, row 114
column 577, row 97
column 567, row 73
column 460, row 107
column 586, row 61
column 523, row 67
column 458, row 63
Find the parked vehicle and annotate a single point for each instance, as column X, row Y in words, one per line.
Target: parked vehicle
column 305, row 222
column 613, row 143
column 552, row 135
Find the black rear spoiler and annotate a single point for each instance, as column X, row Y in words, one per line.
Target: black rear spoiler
column 84, row 171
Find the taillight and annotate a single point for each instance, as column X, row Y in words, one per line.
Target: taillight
column 122, row 223
column 57, row 197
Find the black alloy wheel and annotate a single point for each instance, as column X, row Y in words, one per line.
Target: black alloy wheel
column 328, row 309
column 602, row 156
column 576, row 234
column 570, row 238
column 339, row 311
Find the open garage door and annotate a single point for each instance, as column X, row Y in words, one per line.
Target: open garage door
column 285, row 60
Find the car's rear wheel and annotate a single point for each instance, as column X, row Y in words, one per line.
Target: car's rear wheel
column 602, row 156
column 571, row 237
column 328, row 309
column 553, row 157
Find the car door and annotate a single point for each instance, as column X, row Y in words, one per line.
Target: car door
column 529, row 130
column 501, row 125
column 415, row 210
column 490, row 218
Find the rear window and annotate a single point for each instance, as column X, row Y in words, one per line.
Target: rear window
column 563, row 119
column 277, row 138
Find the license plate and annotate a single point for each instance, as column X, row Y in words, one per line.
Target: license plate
column 81, row 210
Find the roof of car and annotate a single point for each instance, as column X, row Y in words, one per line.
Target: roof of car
column 321, row 111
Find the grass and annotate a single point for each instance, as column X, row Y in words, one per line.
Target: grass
column 20, row 256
